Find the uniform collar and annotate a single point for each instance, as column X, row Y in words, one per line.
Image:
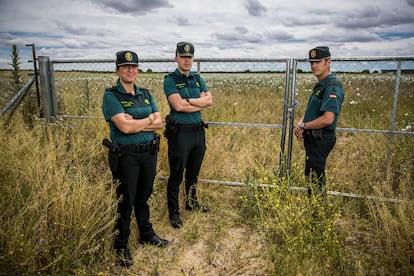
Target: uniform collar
column 178, row 73
column 122, row 89
column 330, row 76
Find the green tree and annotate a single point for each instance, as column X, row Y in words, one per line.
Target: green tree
column 16, row 78
column 17, row 84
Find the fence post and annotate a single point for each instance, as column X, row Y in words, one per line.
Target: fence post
column 199, row 67
column 48, row 90
column 292, row 105
column 282, row 156
column 393, row 116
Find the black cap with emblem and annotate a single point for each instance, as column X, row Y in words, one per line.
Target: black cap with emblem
column 126, row 57
column 185, row 49
column 319, row 53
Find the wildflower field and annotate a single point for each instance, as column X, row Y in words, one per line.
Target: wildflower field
column 58, row 206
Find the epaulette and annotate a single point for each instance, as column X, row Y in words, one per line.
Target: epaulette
column 121, row 97
column 145, row 91
column 178, row 79
column 332, row 81
column 113, row 88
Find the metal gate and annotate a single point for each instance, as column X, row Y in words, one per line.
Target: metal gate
column 290, row 67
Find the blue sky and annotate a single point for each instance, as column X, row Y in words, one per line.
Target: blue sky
column 72, row 29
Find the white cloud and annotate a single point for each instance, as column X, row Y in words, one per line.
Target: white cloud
column 255, row 8
column 133, row 6
column 232, row 28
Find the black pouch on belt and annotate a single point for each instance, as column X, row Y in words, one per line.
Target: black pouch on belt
column 114, row 154
column 171, row 128
column 155, row 144
column 317, row 134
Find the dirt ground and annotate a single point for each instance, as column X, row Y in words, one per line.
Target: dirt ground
column 214, row 243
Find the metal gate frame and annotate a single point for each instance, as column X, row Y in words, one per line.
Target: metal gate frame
column 391, row 132
column 48, row 89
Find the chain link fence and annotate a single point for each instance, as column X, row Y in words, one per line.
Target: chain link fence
column 73, row 89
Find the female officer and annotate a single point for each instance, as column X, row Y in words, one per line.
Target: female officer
column 133, row 116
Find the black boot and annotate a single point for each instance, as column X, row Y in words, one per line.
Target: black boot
column 175, row 220
column 154, row 240
column 192, row 203
column 123, row 256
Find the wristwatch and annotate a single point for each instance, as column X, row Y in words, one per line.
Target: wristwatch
column 302, row 125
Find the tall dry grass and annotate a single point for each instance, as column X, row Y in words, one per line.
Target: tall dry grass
column 58, row 208
column 58, row 204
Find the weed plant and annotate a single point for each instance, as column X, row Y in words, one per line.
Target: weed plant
column 300, row 230
column 58, row 204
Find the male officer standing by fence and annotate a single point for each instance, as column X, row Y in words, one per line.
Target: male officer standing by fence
column 317, row 126
column 187, row 95
column 133, row 117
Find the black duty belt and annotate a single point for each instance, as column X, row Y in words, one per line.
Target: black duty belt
column 328, row 131
column 132, row 148
column 318, row 134
column 194, row 127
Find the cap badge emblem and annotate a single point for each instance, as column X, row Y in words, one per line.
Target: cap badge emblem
column 128, row 56
column 187, row 48
column 313, row 53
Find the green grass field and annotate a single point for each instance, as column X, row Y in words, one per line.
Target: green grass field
column 58, row 204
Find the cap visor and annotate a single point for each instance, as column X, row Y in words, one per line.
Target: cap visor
column 127, row 63
column 185, row 55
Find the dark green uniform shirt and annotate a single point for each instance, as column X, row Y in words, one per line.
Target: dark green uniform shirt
column 327, row 95
column 139, row 106
column 187, row 87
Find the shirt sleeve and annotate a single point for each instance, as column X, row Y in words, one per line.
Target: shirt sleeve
column 111, row 105
column 153, row 103
column 203, row 85
column 169, row 86
column 332, row 99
